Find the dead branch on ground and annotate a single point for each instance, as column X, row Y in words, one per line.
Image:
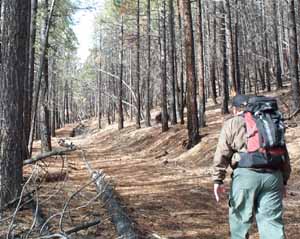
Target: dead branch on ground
column 47, row 155
column 123, row 224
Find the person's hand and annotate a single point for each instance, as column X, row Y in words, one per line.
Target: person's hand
column 218, row 190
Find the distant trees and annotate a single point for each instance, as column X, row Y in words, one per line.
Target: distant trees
column 236, row 47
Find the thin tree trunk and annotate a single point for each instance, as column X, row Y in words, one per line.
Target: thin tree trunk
column 44, row 111
column 278, row 46
column 172, row 63
column 213, row 73
column 164, row 106
column 294, row 59
column 120, row 108
column 181, row 98
column 148, row 116
column 236, row 51
column 192, row 115
column 225, row 93
column 200, row 66
column 138, row 67
column 39, row 77
column 232, row 47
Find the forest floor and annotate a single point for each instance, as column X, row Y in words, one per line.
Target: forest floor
column 167, row 190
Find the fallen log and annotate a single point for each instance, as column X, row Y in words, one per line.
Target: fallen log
column 123, row 224
column 60, row 151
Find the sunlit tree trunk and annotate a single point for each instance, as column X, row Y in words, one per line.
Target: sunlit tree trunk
column 192, row 115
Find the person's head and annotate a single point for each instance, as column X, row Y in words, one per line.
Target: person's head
column 239, row 103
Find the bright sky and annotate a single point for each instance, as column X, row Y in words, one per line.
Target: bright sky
column 84, row 27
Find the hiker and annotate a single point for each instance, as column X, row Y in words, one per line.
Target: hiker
column 259, row 176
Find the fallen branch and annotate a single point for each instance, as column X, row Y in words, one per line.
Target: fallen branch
column 47, row 155
column 119, row 218
column 83, row 226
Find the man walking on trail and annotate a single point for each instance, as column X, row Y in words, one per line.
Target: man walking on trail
column 258, row 183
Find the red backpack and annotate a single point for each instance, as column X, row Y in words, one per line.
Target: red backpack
column 265, row 134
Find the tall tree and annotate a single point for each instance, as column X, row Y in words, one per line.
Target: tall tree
column 294, row 59
column 40, row 75
column 30, row 81
column 225, row 90
column 278, row 38
column 148, row 116
column 13, row 74
column 138, row 67
column 192, row 115
column 44, row 110
column 200, row 65
column 120, row 102
column 181, row 95
column 172, row 62
column 164, row 106
column 213, row 68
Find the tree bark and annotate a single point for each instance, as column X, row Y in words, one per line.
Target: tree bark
column 13, row 74
column 181, row 97
column 278, row 45
column 120, row 108
column 44, row 111
column 192, row 115
column 294, row 59
column 172, row 63
column 138, row 67
column 39, row 77
column 164, row 106
column 225, row 91
column 236, row 51
column 213, row 72
column 200, row 66
column 148, row 116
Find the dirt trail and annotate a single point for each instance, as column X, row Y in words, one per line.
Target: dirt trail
column 167, row 191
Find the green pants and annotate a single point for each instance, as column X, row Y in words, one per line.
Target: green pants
column 260, row 195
